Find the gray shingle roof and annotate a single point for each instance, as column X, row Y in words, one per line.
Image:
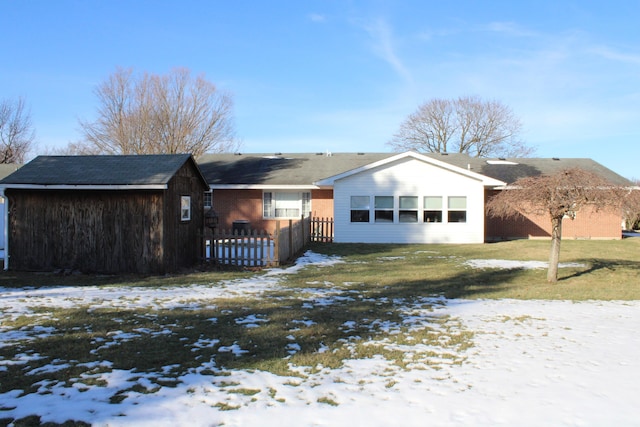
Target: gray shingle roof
column 280, row 169
column 98, row 170
column 504, row 170
column 307, row 168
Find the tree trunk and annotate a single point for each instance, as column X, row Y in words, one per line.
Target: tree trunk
column 554, row 258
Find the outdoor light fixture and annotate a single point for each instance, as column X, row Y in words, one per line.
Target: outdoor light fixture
column 211, row 219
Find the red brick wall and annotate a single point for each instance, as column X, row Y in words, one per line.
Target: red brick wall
column 322, row 203
column 588, row 224
column 233, row 205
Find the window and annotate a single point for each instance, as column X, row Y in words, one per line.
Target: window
column 360, row 208
column 285, row 204
column 457, row 211
column 408, row 209
column 185, row 208
column 208, row 199
column 383, row 208
column 432, row 209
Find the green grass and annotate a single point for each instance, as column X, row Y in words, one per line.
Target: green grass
column 372, row 293
column 611, row 272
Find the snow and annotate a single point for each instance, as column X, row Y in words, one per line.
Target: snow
column 532, row 363
column 509, row 264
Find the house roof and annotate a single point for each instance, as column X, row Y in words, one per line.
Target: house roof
column 486, row 180
column 304, row 170
column 145, row 171
column 7, row 169
column 511, row 169
column 273, row 170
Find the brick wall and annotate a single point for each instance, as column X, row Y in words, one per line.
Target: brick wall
column 233, row 205
column 588, row 224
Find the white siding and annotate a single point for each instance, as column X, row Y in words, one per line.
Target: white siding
column 409, row 177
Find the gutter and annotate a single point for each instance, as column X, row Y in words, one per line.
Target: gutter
column 87, row 187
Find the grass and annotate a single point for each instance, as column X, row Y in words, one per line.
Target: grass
column 354, row 309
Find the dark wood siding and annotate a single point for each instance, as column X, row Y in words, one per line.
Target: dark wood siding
column 91, row 231
column 183, row 239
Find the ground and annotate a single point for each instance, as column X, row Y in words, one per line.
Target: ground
column 510, row 362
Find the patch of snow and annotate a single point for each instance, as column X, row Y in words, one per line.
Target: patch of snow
column 531, row 363
column 511, row 264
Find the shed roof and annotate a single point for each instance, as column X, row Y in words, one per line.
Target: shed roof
column 100, row 170
column 305, row 169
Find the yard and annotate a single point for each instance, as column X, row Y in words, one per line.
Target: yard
column 349, row 335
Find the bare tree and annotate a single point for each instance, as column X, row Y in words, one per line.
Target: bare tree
column 559, row 196
column 464, row 125
column 159, row 114
column 16, row 131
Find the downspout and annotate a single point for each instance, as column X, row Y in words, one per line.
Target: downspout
column 5, row 231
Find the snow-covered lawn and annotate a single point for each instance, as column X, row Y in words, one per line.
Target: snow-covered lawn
column 531, row 363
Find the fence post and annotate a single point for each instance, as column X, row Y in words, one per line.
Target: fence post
column 290, row 254
column 276, row 244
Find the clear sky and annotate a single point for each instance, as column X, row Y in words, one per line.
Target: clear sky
column 341, row 75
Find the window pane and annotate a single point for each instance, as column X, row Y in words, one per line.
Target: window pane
column 457, row 202
column 287, row 212
column 433, row 203
column 359, row 202
column 306, row 204
column 185, row 208
column 266, row 205
column 359, row 216
column 432, row 216
column 408, row 202
column 384, row 202
column 457, row 216
column 290, row 200
column 408, row 216
column 384, row 216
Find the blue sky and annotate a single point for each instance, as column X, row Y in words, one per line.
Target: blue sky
column 340, row 75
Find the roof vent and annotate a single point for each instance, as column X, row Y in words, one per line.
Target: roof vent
column 444, row 153
column 360, row 154
column 237, row 154
column 556, row 158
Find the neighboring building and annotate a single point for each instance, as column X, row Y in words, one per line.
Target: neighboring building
column 6, row 169
column 108, row 214
column 397, row 198
column 409, row 198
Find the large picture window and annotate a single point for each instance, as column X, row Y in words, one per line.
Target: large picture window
column 457, row 209
column 360, row 206
column 383, row 206
column 285, row 204
column 408, row 209
column 432, row 209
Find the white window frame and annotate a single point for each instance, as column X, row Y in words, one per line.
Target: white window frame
column 380, row 209
column 359, row 204
column 185, row 208
column 270, row 201
column 408, row 209
column 429, row 207
column 208, row 199
column 451, row 207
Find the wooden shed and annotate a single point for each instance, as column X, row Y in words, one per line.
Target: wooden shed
column 107, row 214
